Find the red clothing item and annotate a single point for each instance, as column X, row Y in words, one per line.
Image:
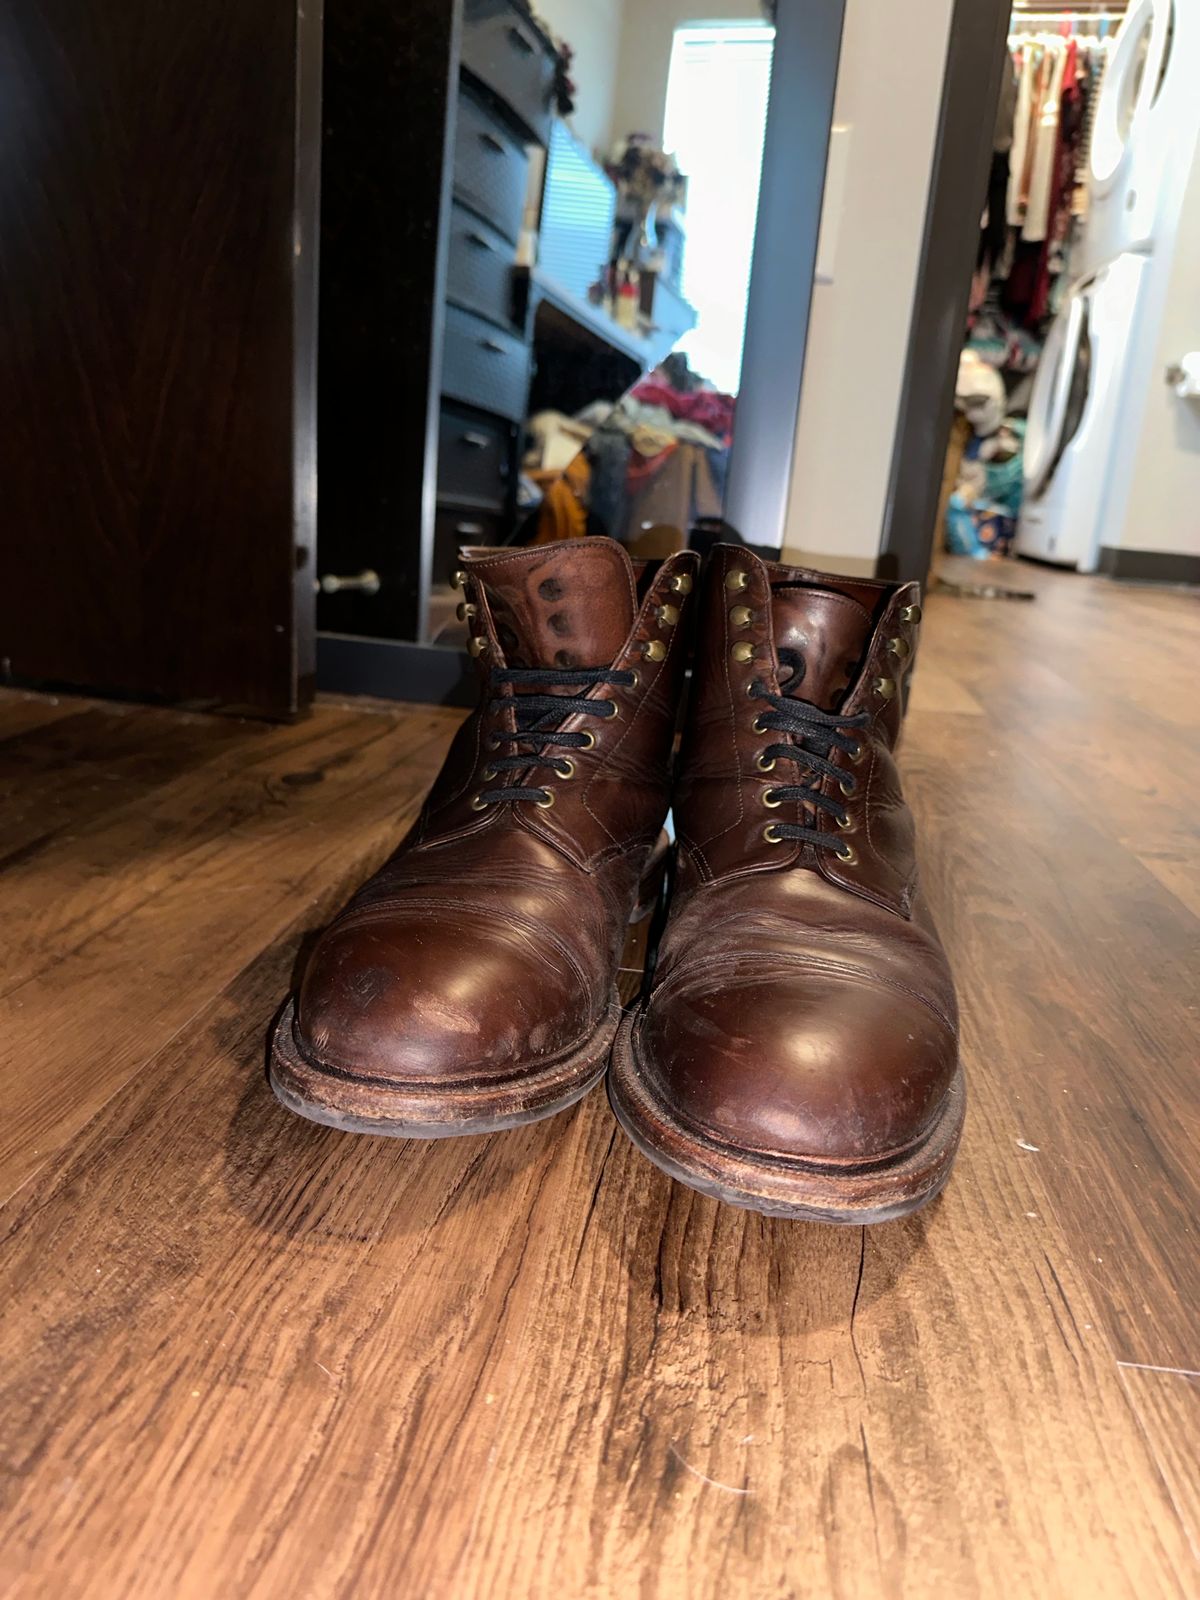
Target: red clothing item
column 706, row 407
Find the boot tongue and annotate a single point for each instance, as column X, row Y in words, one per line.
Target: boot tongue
column 567, row 605
column 825, row 633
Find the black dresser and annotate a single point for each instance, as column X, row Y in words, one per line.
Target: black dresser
column 435, row 112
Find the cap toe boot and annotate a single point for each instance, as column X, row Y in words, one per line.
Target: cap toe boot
column 797, row 1050
column 470, row 985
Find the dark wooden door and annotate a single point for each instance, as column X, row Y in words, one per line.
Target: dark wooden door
column 158, row 220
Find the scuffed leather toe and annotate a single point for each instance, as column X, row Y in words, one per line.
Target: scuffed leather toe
column 797, row 1062
column 399, row 998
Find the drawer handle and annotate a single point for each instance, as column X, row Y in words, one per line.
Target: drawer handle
column 493, row 346
column 469, row 530
column 492, row 142
column 365, row 583
column 520, row 42
column 478, row 240
column 476, row 441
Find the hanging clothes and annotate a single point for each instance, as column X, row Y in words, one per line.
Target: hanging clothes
column 1027, row 64
column 1044, row 146
column 1056, row 79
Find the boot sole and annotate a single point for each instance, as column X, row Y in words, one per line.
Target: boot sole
column 415, row 1110
column 781, row 1186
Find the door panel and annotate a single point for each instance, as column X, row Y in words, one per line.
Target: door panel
column 156, row 334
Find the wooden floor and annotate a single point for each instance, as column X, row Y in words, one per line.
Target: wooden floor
column 242, row 1356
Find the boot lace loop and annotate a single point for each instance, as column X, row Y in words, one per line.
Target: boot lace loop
column 817, row 734
column 538, row 724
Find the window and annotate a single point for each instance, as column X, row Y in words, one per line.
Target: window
column 715, row 117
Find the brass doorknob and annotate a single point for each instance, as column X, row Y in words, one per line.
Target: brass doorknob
column 365, row 583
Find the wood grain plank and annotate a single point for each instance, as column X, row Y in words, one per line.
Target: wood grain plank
column 168, row 904
column 1070, row 954
column 110, row 859
column 1168, row 1406
column 337, row 1364
column 1173, row 856
column 1079, row 970
column 58, row 773
column 21, row 710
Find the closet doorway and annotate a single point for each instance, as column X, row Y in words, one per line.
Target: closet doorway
column 1090, row 159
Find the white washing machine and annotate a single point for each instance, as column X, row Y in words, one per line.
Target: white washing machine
column 1141, row 105
column 1075, row 414
column 1090, row 380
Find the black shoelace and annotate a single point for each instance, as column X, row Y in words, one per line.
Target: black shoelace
column 820, row 733
column 534, row 710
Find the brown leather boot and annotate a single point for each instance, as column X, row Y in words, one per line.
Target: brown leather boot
column 796, row 1052
column 470, row 985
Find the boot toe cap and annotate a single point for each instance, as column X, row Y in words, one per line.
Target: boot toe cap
column 805, row 1064
column 416, row 999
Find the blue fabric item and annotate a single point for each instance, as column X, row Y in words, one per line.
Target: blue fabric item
column 961, row 537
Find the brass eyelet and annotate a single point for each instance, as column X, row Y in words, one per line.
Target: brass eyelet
column 911, row 614
column 589, row 740
column 565, row 761
column 900, row 648
column 772, row 834
column 885, row 688
column 767, row 800
column 488, row 774
column 654, row 650
column 737, row 580
column 742, row 652
column 457, row 579
column 848, row 854
column 476, row 645
column 636, row 676
column 614, row 714
column 668, row 615
column 478, row 803
column 855, row 756
column 741, row 616
column 464, row 610
column 758, row 726
column 547, row 800
column 682, row 583
column 847, row 786
column 765, row 763
column 845, row 823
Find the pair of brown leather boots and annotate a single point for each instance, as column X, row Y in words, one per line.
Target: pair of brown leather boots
column 795, row 1049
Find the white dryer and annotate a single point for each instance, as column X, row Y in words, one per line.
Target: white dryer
column 1144, row 100
column 1074, row 414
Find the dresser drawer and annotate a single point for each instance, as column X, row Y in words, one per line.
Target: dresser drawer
column 491, row 169
column 507, row 53
column 483, row 366
column 455, row 526
column 480, row 268
column 473, row 460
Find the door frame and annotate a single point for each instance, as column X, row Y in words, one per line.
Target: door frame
column 975, row 54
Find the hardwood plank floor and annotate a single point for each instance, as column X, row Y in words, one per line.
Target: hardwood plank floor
column 244, row 1356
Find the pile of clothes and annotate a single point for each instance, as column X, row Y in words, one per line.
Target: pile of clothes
column 981, row 516
column 643, row 470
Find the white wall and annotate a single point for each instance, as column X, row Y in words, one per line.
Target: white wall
column 593, row 30
column 645, row 58
column 886, row 109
